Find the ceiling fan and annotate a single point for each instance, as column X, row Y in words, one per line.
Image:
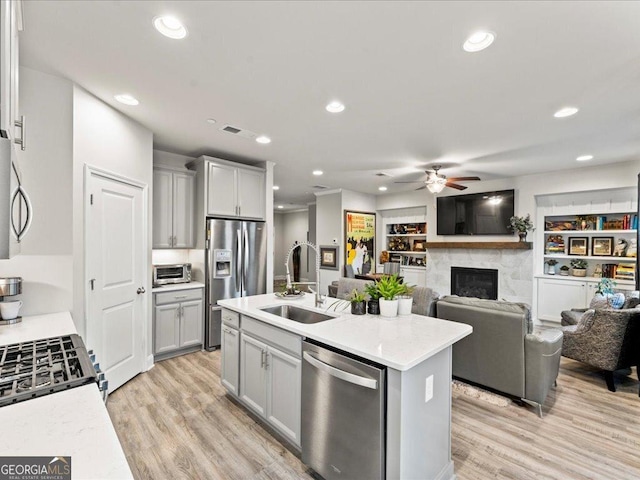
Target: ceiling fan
column 436, row 182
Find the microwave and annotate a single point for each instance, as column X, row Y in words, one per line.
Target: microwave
column 168, row 274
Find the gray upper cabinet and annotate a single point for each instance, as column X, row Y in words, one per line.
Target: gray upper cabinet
column 235, row 191
column 173, row 208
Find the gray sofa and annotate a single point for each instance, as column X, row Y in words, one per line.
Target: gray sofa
column 503, row 353
column 424, row 298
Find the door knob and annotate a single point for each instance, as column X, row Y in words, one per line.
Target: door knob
column 140, row 290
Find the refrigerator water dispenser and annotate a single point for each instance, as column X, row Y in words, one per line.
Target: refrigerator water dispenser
column 222, row 263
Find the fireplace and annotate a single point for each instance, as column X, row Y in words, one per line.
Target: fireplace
column 474, row 282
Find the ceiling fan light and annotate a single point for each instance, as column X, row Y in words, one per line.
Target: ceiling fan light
column 436, row 187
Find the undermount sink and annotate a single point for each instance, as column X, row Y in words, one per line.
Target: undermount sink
column 297, row 314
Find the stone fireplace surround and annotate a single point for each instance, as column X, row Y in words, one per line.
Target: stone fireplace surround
column 515, row 269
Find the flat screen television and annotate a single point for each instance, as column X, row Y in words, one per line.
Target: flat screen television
column 485, row 213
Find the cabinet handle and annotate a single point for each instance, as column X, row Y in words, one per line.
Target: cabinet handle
column 175, row 241
column 266, row 360
column 262, row 359
column 170, row 241
column 180, row 296
column 22, row 125
column 239, row 210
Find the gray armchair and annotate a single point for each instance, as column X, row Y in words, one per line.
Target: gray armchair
column 607, row 339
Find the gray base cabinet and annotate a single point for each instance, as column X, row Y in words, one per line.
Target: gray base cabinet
column 178, row 322
column 261, row 366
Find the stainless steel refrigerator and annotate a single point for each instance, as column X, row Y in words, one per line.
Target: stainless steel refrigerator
column 236, row 266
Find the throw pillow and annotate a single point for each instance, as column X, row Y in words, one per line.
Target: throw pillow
column 616, row 300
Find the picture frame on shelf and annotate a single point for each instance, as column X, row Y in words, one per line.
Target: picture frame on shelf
column 602, row 246
column 418, row 246
column 329, row 257
column 578, row 246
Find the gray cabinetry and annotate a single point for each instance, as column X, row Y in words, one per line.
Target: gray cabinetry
column 173, row 208
column 234, row 191
column 177, row 322
column 270, row 372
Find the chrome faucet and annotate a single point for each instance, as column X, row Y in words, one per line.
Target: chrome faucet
column 319, row 298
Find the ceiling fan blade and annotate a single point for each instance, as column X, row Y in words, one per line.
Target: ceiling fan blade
column 462, row 179
column 421, row 188
column 455, row 185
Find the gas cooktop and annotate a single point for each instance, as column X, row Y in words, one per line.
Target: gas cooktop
column 36, row 368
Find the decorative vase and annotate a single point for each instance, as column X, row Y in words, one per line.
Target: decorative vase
column 552, row 270
column 564, row 272
column 358, row 308
column 373, row 307
column 388, row 308
column 579, row 272
column 405, row 303
column 523, row 236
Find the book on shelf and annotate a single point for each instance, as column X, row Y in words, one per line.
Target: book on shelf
column 625, row 272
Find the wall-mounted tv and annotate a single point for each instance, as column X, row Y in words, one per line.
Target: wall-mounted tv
column 485, row 213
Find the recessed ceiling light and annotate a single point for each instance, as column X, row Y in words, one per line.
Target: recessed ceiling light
column 280, row 206
column 127, row 99
column 382, row 189
column 262, row 139
column 335, row 107
column 276, row 187
column 565, row 112
column 170, row 27
column 211, row 121
column 584, row 158
column 479, row 41
column 317, row 173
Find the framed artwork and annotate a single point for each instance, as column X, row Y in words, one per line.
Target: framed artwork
column 578, row 245
column 329, row 257
column 360, row 241
column 602, row 246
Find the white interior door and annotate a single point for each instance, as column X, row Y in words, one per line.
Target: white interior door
column 115, row 253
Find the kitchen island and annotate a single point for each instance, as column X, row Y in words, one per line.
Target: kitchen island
column 415, row 350
column 71, row 423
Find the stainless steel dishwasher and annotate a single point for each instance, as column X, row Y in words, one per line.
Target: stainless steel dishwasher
column 343, row 414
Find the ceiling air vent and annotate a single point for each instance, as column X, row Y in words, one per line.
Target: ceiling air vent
column 382, row 174
column 239, row 132
column 320, row 187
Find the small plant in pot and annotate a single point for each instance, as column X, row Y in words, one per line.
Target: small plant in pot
column 373, row 305
column 552, row 262
column 405, row 299
column 521, row 225
column 579, row 267
column 358, row 302
column 564, row 270
column 389, row 287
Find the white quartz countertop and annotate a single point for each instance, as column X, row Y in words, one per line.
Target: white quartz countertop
column 73, row 422
column 399, row 343
column 176, row 287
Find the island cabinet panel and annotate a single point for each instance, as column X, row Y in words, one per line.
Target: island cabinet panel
column 284, row 393
column 270, row 371
column 253, row 374
column 230, row 345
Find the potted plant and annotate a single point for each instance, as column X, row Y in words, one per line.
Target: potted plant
column 373, row 305
column 605, row 286
column 552, row 262
column 405, row 299
column 358, row 302
column 389, row 286
column 579, row 267
column 564, row 270
column 522, row 225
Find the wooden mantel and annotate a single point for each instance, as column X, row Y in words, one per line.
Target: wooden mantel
column 482, row 245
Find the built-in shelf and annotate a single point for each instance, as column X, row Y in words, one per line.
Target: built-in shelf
column 609, row 259
column 557, row 276
column 407, row 252
column 586, row 232
column 406, row 235
column 482, row 245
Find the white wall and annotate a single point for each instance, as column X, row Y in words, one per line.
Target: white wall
column 169, row 159
column 329, row 227
column 45, row 262
column 105, row 138
column 291, row 227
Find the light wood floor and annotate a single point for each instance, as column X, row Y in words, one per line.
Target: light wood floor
column 175, row 421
